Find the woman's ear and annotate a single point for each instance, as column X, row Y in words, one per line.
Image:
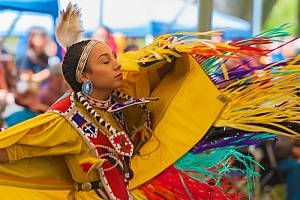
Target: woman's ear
column 83, row 77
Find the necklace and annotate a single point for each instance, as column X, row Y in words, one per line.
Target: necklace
column 84, row 101
column 99, row 104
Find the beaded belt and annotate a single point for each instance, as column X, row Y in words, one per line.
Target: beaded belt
column 86, row 186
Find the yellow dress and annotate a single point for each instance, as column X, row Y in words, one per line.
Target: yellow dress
column 43, row 140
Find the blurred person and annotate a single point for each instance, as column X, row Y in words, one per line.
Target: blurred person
column 55, row 86
column 33, row 64
column 2, row 108
column 286, row 155
column 289, row 165
column 3, row 83
column 285, row 49
column 123, row 45
column 104, row 34
column 8, row 71
column 8, row 78
column 51, row 50
column 131, row 47
column 290, row 49
column 121, row 42
column 26, row 104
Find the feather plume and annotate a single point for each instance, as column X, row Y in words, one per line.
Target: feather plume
column 69, row 26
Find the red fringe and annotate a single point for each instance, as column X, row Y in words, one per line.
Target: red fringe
column 176, row 184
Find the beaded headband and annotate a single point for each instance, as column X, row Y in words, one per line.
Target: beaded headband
column 83, row 59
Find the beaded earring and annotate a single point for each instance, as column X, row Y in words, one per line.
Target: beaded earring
column 87, row 87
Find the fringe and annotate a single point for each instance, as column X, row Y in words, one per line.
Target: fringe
column 263, row 103
column 211, row 174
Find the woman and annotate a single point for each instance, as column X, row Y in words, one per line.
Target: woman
column 55, row 86
column 103, row 34
column 98, row 140
column 26, row 104
column 34, row 63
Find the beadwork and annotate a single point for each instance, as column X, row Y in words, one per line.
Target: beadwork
column 87, row 87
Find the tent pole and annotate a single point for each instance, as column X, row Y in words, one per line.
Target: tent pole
column 256, row 16
column 205, row 15
column 101, row 13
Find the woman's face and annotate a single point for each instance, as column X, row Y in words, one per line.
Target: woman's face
column 106, row 73
column 102, row 35
column 39, row 39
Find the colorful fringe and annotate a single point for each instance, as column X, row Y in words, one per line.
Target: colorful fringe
column 266, row 101
column 263, row 103
column 209, row 171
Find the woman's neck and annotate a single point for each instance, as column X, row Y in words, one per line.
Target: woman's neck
column 101, row 96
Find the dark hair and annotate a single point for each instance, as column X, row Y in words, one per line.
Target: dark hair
column 70, row 62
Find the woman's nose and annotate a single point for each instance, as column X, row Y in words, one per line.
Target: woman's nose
column 117, row 65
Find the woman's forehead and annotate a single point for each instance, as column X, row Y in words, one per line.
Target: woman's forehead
column 101, row 48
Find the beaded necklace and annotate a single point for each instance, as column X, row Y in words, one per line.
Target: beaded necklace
column 85, row 102
column 99, row 104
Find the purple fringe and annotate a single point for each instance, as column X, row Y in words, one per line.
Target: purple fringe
column 238, row 140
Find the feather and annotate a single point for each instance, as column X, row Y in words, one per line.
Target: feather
column 69, row 26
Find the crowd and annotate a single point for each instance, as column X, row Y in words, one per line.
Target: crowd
column 33, row 81
column 100, row 133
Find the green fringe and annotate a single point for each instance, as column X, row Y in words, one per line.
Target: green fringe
column 214, row 164
column 276, row 32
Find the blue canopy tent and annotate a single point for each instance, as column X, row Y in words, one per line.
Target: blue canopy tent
column 37, row 8
column 137, row 18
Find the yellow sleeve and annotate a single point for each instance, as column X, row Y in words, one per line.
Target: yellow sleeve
column 188, row 105
column 46, row 134
column 141, row 83
column 43, row 141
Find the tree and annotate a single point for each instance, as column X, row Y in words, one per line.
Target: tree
column 275, row 12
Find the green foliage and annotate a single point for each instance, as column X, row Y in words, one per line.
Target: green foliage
column 283, row 12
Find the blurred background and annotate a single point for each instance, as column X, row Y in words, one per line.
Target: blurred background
column 30, row 57
column 139, row 21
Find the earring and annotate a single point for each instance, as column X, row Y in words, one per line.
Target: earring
column 87, row 87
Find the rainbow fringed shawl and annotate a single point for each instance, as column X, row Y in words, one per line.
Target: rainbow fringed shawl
column 262, row 102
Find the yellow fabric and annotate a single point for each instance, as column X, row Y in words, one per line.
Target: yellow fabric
column 15, row 193
column 128, row 64
column 57, row 137
column 31, row 166
column 49, row 172
column 255, row 106
column 189, row 104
